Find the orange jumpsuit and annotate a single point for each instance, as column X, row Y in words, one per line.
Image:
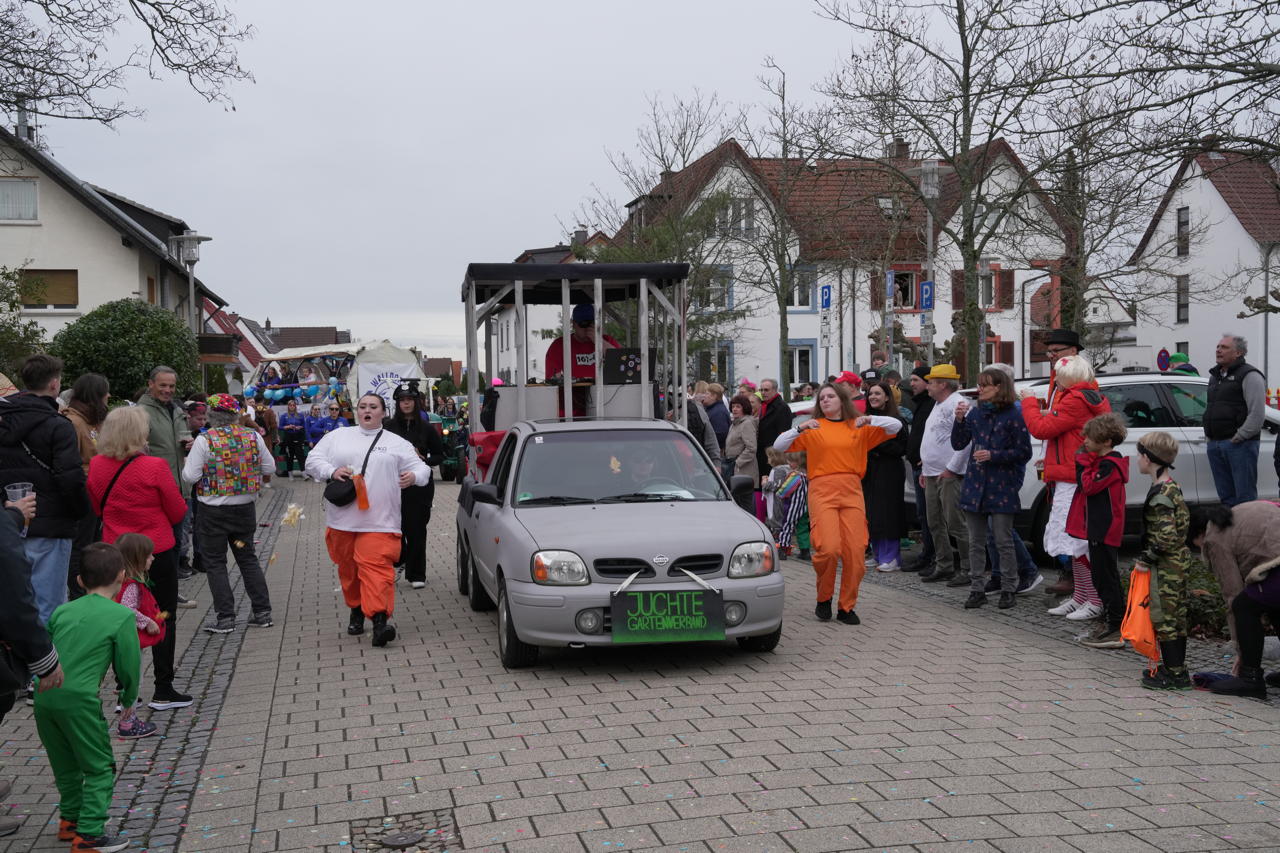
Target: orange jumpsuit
column 837, row 454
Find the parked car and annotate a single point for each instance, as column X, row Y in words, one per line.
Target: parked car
column 594, row 533
column 1148, row 402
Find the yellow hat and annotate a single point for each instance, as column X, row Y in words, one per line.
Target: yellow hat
column 943, row 371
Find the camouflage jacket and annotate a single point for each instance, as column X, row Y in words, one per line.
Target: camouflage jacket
column 1165, row 519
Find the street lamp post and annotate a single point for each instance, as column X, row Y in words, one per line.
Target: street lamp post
column 186, row 248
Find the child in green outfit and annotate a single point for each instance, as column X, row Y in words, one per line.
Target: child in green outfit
column 90, row 634
column 1165, row 520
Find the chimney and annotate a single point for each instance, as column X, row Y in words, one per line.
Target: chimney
column 266, row 327
column 900, row 150
column 580, row 235
column 665, row 175
column 26, row 131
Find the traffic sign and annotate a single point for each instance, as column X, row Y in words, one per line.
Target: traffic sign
column 926, row 296
column 826, row 297
column 1162, row 360
column 888, row 287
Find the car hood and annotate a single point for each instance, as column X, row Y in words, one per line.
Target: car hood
column 639, row 529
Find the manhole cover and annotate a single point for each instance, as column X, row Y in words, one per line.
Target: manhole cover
column 429, row 831
column 402, row 840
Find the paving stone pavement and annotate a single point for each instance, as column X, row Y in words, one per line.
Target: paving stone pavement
column 927, row 728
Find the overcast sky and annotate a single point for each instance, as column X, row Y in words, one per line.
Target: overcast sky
column 385, row 145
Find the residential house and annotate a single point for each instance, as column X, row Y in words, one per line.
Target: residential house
column 86, row 244
column 1213, row 240
column 857, row 227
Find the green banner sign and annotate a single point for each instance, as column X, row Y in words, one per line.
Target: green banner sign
column 667, row 615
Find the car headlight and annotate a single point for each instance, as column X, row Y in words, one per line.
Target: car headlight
column 751, row 559
column 559, row 568
column 446, row 432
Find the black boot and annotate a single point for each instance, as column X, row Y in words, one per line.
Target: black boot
column 1171, row 674
column 976, row 599
column 1248, row 683
column 823, row 610
column 383, row 632
column 356, row 625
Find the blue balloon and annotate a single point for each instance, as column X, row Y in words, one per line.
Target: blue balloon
column 250, row 391
column 297, row 392
column 277, row 393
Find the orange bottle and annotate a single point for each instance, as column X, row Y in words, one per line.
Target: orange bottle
column 362, row 491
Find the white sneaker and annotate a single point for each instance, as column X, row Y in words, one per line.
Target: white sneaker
column 418, row 584
column 891, row 566
column 1086, row 611
column 1069, row 605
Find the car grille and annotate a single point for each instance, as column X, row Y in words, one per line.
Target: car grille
column 699, row 564
column 622, row 567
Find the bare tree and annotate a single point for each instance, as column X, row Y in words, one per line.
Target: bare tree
column 950, row 77
column 61, row 58
column 668, row 219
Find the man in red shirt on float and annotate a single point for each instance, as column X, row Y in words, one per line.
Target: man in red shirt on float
column 583, row 349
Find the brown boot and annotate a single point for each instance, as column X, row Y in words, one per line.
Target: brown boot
column 1066, row 585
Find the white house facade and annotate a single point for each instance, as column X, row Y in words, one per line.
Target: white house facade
column 86, row 245
column 1217, row 234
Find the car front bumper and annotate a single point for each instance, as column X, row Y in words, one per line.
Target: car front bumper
column 545, row 615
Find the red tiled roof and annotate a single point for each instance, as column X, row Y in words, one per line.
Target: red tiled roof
column 833, row 204
column 1250, row 187
column 227, row 323
column 1248, row 184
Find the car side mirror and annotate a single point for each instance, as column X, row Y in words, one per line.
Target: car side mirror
column 486, row 493
column 741, row 486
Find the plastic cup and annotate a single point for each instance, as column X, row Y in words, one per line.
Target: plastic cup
column 16, row 492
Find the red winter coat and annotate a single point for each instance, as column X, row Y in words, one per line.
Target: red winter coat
column 1063, row 426
column 145, row 499
column 1097, row 507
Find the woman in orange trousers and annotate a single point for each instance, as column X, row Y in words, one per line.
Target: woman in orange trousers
column 837, row 443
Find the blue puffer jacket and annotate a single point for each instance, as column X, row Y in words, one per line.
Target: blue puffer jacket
column 993, row 486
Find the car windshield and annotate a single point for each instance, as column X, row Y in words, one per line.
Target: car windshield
column 614, row 466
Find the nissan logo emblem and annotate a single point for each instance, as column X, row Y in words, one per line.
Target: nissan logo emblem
column 661, row 560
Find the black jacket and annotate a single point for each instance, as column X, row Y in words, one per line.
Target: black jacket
column 421, row 434
column 20, row 627
column 774, row 422
column 923, row 406
column 39, row 446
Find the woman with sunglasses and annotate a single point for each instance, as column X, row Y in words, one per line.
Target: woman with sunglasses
column 333, row 420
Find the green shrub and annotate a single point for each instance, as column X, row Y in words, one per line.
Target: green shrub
column 123, row 340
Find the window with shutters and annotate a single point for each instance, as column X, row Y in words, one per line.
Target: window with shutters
column 1182, row 237
column 18, row 200
column 55, row 288
column 986, row 289
column 1183, row 299
column 904, row 289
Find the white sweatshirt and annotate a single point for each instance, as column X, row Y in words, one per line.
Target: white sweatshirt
column 346, row 446
column 936, row 454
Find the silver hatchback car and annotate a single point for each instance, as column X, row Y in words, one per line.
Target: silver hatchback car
column 594, row 533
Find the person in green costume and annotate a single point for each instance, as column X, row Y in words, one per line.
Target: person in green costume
column 91, row 634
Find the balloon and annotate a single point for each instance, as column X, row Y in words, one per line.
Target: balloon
column 250, row 391
column 297, row 392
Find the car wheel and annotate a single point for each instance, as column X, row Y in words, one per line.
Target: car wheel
column 477, row 597
column 464, row 566
column 761, row 643
column 514, row 652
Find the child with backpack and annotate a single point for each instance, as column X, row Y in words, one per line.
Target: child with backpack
column 1097, row 516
